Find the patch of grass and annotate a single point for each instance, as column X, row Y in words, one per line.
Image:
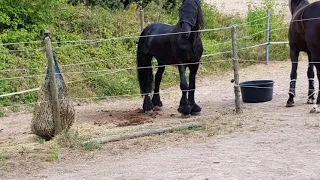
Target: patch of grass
column 72, row 139
column 54, row 151
column 2, row 113
column 41, row 140
column 90, row 146
column 4, row 156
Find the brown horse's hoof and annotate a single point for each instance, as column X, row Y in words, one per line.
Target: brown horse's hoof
column 310, row 101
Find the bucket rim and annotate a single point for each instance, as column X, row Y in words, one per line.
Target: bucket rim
column 256, row 82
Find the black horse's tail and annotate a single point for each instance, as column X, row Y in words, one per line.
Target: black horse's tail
column 144, row 60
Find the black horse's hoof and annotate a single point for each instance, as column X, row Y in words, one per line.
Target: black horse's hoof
column 195, row 113
column 157, row 108
column 184, row 116
column 290, row 104
column 184, row 111
column 149, row 112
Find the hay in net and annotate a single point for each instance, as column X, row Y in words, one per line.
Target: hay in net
column 42, row 122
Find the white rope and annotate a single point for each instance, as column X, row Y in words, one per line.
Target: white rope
column 146, row 67
column 284, row 42
column 91, row 62
column 68, row 65
column 130, row 68
column 145, row 36
column 246, row 23
column 252, row 35
column 215, row 54
column 254, row 46
column 22, row 77
column 21, row 50
column 247, row 60
column 276, row 29
column 17, row 43
column 98, row 97
column 120, row 70
column 128, row 36
column 239, row 39
column 20, row 92
column 13, row 70
column 309, row 19
column 110, row 73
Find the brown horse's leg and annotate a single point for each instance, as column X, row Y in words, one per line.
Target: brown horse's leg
column 294, row 54
column 316, row 59
column 310, row 74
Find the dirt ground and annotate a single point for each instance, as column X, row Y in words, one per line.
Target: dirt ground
column 267, row 141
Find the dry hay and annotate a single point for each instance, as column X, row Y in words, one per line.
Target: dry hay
column 42, row 123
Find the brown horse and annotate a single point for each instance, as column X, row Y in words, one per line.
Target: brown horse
column 304, row 35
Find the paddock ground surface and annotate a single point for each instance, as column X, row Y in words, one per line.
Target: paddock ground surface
column 266, row 141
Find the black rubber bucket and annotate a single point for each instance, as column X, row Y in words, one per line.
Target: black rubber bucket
column 257, row 91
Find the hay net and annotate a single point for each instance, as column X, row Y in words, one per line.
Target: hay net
column 42, row 122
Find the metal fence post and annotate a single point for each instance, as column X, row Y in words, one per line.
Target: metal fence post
column 141, row 19
column 53, row 84
column 236, row 69
column 267, row 36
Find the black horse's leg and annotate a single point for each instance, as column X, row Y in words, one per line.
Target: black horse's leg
column 145, row 78
column 157, row 104
column 184, row 107
column 310, row 74
column 195, row 109
column 294, row 54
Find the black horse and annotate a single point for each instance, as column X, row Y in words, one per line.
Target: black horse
column 304, row 35
column 183, row 48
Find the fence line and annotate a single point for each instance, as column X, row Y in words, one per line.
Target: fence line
column 117, row 70
column 20, row 92
column 14, row 70
column 98, row 97
column 246, row 23
column 132, row 95
column 283, row 42
column 251, row 60
column 21, row 50
column 127, row 37
column 18, row 43
column 91, row 62
column 114, row 72
column 132, row 68
column 22, row 77
column 241, row 38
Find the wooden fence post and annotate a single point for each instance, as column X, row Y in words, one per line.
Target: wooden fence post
column 53, row 84
column 235, row 68
column 267, row 36
column 141, row 19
